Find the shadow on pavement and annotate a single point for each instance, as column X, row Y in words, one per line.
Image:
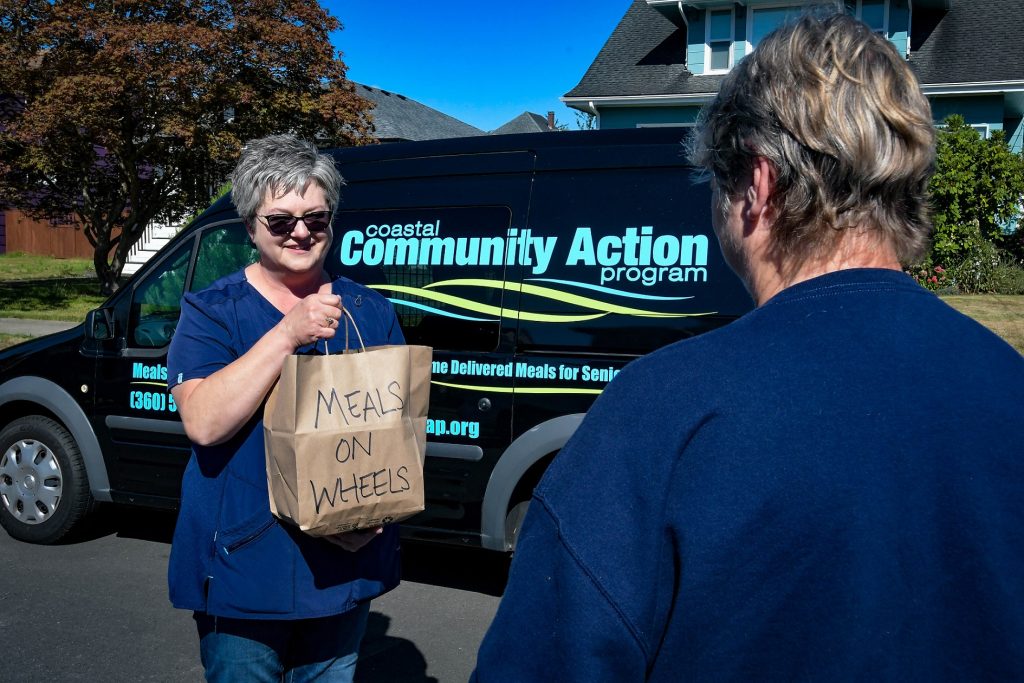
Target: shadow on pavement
column 144, row 524
column 468, row 569
column 385, row 659
column 448, row 566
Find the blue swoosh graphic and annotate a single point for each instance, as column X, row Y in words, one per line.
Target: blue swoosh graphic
column 608, row 290
column 438, row 311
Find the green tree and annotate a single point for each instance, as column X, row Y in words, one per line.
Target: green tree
column 585, row 120
column 976, row 191
column 119, row 111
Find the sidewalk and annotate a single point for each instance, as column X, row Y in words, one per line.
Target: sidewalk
column 32, row 328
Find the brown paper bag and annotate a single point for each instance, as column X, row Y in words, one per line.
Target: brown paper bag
column 346, row 438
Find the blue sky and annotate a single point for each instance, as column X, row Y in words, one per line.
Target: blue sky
column 481, row 62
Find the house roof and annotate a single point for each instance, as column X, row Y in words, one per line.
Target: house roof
column 396, row 117
column 973, row 42
column 646, row 53
column 527, row 122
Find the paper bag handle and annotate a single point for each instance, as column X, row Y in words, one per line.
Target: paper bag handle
column 348, row 318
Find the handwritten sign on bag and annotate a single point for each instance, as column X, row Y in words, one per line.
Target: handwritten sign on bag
column 345, row 438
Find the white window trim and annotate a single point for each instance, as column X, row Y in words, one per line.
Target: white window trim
column 885, row 18
column 707, row 39
column 984, row 129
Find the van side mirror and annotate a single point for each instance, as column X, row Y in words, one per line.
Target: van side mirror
column 99, row 324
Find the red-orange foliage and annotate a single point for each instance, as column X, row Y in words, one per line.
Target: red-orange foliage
column 122, row 110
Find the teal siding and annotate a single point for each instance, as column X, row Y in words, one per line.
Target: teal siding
column 695, row 44
column 1014, row 133
column 977, row 110
column 899, row 23
column 629, row 117
column 739, row 37
column 771, row 18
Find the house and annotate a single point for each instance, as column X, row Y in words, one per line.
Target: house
column 667, row 58
column 528, row 122
column 398, row 118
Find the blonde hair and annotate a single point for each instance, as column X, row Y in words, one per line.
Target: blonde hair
column 838, row 112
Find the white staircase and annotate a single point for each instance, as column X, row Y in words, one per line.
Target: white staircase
column 153, row 239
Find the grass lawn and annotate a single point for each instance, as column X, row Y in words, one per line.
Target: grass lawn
column 11, row 339
column 21, row 266
column 1001, row 313
column 47, row 288
column 62, row 298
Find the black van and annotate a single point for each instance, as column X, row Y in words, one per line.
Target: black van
column 537, row 266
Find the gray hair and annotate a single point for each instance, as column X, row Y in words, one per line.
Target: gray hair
column 840, row 115
column 280, row 164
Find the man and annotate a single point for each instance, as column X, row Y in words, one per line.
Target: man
column 829, row 488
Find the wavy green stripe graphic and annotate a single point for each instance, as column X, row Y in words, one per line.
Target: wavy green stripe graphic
column 558, row 295
column 519, row 390
column 437, row 311
column 609, row 290
column 152, row 384
column 478, row 307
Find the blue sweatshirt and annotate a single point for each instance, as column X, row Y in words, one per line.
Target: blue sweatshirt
column 830, row 488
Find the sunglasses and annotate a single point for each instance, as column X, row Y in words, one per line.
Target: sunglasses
column 282, row 224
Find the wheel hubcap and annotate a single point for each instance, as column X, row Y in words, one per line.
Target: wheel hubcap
column 30, row 481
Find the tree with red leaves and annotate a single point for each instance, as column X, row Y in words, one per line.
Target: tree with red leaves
column 120, row 111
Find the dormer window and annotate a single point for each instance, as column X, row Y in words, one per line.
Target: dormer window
column 718, row 38
column 764, row 20
column 874, row 13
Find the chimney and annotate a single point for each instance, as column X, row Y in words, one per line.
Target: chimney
column 551, row 120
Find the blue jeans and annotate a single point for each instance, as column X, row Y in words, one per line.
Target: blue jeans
column 293, row 651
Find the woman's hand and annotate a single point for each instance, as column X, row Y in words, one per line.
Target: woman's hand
column 314, row 317
column 354, row 540
column 214, row 408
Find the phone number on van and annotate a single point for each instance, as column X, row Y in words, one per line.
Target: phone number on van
column 151, row 400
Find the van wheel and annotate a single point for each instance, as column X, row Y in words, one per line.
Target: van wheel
column 514, row 522
column 44, row 489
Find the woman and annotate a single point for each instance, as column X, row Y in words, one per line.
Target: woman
column 268, row 599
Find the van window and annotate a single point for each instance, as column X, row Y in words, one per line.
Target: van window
column 442, row 268
column 223, row 250
column 156, row 302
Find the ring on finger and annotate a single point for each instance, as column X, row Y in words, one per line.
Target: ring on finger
column 328, row 321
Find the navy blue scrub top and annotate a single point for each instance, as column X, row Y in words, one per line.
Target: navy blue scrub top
column 230, row 557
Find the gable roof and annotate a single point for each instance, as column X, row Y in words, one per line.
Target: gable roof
column 645, row 55
column 973, row 42
column 527, row 122
column 396, row 117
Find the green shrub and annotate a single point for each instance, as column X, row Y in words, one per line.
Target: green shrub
column 975, row 193
column 984, row 270
column 1006, row 278
column 972, row 272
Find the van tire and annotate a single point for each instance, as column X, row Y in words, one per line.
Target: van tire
column 44, row 487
